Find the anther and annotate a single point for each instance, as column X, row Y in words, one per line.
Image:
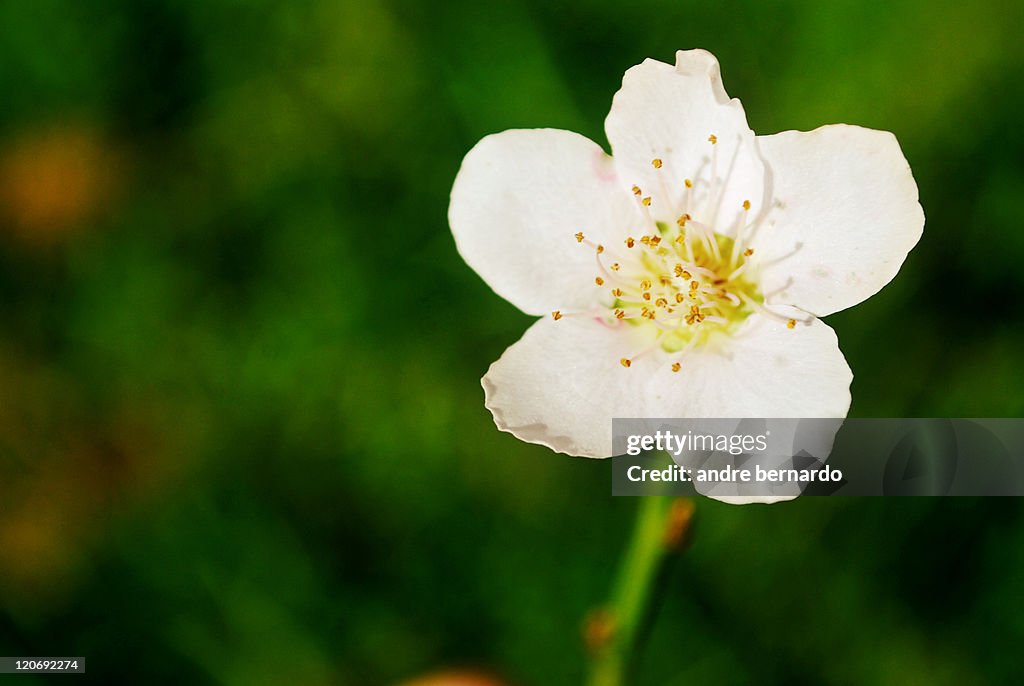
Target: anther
column 615, row 266
column 680, row 297
column 689, row 184
column 579, row 237
column 600, row 248
column 625, row 362
column 619, row 314
column 791, row 324
column 637, row 191
column 599, row 281
column 646, row 201
column 746, row 204
column 748, row 252
column 656, row 162
column 556, row 315
column 617, row 292
column 713, row 138
column 645, row 284
column 660, row 302
column 630, row 242
column 676, row 366
column 647, row 296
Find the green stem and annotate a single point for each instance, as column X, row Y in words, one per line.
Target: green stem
column 615, row 632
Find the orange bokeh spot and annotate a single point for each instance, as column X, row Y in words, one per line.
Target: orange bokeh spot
column 456, row 678
column 52, row 182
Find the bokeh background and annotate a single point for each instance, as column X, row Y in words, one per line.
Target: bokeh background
column 242, row 437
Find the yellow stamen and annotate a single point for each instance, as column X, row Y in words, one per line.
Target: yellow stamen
column 676, row 366
column 630, row 242
column 689, row 184
column 748, row 252
column 656, row 162
column 746, row 204
column 713, row 138
column 599, row 281
column 791, row 324
column 625, row 362
column 600, row 248
column 646, row 201
column 579, row 237
column 637, row 191
column 556, row 315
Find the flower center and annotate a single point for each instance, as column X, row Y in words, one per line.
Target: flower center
column 679, row 286
column 685, row 284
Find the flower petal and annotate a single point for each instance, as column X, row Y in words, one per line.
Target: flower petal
column 516, row 204
column 669, row 113
column 766, row 370
column 847, row 215
column 562, row 383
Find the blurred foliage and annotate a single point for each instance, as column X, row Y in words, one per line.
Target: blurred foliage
column 242, row 437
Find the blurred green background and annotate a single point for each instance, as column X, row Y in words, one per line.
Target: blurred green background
column 242, row 437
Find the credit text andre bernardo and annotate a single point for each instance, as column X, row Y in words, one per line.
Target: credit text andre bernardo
column 733, row 444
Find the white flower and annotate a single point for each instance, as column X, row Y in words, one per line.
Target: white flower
column 684, row 276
